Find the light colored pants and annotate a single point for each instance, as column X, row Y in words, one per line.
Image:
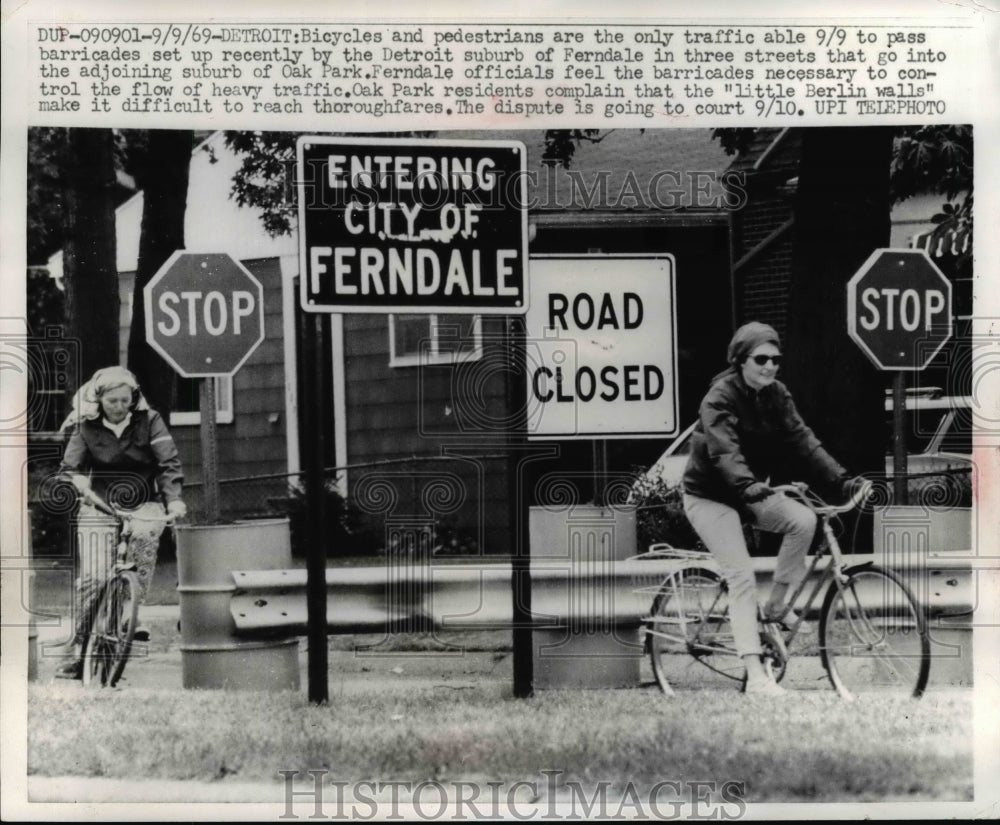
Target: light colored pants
column 143, row 544
column 719, row 526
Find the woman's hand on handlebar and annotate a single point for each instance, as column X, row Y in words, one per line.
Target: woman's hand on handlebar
column 176, row 509
column 852, row 486
column 856, row 490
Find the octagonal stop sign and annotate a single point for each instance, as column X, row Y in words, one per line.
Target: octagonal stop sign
column 899, row 309
column 204, row 313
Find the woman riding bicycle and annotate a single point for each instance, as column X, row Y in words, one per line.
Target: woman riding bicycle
column 748, row 433
column 120, row 450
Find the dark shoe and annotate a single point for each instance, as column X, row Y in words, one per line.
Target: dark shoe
column 141, row 634
column 71, row 670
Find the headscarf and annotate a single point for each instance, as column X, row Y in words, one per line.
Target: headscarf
column 747, row 338
column 87, row 401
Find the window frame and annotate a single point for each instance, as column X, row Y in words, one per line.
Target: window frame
column 435, row 357
column 223, row 406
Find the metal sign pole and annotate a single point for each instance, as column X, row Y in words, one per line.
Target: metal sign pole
column 209, row 451
column 900, row 470
column 315, row 518
column 519, row 496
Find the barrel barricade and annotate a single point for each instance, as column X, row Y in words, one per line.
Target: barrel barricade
column 212, row 655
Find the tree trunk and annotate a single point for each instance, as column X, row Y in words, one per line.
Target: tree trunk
column 841, row 217
column 89, row 265
column 163, row 178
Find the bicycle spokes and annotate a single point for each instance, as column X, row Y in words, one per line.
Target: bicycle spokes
column 873, row 635
column 110, row 639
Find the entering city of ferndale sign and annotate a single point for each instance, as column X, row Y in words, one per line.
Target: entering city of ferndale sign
column 408, row 225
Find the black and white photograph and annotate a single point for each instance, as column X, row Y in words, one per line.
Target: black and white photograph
column 622, row 447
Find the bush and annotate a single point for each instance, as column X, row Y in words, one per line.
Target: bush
column 660, row 515
column 347, row 533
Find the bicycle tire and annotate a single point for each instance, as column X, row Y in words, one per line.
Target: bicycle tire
column 112, row 631
column 689, row 618
column 873, row 635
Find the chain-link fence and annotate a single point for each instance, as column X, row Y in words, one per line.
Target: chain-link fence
column 453, row 506
column 441, row 505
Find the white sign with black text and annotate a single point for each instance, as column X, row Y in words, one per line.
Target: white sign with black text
column 600, row 350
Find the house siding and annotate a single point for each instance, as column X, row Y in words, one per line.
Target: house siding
column 403, row 411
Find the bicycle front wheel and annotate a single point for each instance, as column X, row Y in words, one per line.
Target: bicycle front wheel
column 110, row 640
column 873, row 635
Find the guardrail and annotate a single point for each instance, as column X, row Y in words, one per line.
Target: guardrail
column 584, row 596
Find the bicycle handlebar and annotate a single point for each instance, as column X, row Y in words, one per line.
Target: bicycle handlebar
column 122, row 515
column 798, row 492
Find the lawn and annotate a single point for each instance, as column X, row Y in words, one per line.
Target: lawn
column 810, row 746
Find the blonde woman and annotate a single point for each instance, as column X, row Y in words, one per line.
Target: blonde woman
column 121, row 450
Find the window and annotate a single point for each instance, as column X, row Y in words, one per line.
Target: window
column 434, row 339
column 187, row 405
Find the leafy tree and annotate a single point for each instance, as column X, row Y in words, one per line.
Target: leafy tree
column 266, row 177
column 939, row 159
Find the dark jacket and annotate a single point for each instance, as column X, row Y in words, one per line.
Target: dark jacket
column 744, row 436
column 138, row 467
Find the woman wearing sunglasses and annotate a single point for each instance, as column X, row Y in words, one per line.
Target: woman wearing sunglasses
column 748, row 434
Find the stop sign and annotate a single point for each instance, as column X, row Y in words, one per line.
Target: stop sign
column 899, row 309
column 204, row 313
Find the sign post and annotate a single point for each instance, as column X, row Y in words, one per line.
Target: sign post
column 899, row 313
column 205, row 316
column 403, row 226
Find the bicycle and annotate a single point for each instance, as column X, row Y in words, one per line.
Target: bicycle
column 109, row 639
column 872, row 632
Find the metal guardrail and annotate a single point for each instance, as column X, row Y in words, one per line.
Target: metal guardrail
column 591, row 596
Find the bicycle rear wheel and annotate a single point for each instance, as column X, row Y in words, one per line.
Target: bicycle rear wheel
column 110, row 640
column 873, row 635
column 690, row 618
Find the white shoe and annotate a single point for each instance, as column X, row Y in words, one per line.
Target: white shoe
column 764, row 687
column 786, row 617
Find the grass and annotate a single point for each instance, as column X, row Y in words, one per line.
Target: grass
column 810, row 746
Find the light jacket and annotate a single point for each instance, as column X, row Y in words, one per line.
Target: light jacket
column 744, row 436
column 130, row 470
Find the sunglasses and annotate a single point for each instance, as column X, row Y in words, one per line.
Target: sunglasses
column 761, row 360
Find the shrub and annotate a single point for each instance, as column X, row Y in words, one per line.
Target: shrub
column 660, row 515
column 347, row 533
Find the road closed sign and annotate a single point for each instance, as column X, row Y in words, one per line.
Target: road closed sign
column 600, row 348
column 409, row 225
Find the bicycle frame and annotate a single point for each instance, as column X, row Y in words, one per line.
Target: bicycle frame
column 828, row 548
